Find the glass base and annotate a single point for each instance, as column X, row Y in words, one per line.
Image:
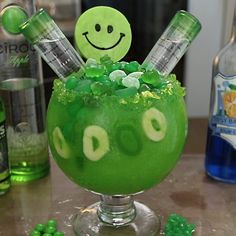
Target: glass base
column 144, row 223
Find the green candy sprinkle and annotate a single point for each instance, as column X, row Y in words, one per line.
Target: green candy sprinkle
column 47, row 234
column 178, row 225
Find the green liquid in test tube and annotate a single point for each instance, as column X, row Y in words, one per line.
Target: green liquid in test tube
column 173, row 43
column 46, row 37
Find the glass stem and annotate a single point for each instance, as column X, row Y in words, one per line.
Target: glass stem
column 116, row 210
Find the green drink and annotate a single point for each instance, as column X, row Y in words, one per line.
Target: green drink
column 114, row 128
column 22, row 91
column 113, row 139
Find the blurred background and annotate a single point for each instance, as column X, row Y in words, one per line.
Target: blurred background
column 148, row 19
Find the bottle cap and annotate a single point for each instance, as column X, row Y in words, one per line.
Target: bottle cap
column 187, row 24
column 12, row 17
column 40, row 23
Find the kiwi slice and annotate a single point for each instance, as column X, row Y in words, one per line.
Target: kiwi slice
column 154, row 124
column 60, row 143
column 95, row 142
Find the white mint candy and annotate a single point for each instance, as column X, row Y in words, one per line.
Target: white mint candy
column 136, row 74
column 130, row 81
column 116, row 75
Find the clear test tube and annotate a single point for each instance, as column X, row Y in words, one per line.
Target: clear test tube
column 173, row 43
column 47, row 38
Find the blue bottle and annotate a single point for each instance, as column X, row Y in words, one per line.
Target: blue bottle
column 220, row 161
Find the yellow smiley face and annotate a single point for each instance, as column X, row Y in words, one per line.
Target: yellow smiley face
column 103, row 31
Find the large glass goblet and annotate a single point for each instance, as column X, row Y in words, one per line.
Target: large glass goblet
column 117, row 146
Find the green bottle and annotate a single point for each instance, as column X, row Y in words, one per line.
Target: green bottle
column 22, row 91
column 4, row 165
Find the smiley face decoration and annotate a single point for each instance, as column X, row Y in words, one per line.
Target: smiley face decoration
column 103, row 31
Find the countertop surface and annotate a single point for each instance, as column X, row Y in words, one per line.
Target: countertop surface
column 187, row 191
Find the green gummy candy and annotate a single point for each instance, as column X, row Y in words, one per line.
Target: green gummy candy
column 113, row 67
column 94, row 71
column 132, row 66
column 103, row 31
column 102, row 78
column 12, row 18
column 106, row 60
column 71, row 82
column 152, row 77
column 83, row 86
column 99, row 88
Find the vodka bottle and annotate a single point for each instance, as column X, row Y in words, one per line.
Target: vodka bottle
column 4, row 164
column 220, row 161
column 21, row 87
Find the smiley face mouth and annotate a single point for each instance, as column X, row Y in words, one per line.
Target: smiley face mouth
column 85, row 34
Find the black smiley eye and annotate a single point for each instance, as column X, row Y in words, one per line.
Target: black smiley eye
column 97, row 27
column 109, row 29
